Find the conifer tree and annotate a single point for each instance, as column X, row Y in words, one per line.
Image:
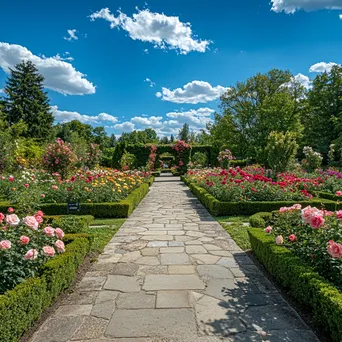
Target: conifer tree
column 27, row 101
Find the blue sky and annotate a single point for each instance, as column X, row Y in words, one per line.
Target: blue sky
column 100, row 77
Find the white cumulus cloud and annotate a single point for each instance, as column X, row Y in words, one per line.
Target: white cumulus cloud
column 303, row 80
column 165, row 32
column 196, row 118
column 124, row 126
column 72, row 35
column 291, row 6
column 59, row 75
column 322, row 67
column 152, row 121
column 193, row 92
column 66, row 116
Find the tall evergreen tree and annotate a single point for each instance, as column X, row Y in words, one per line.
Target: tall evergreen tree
column 112, row 140
column 184, row 133
column 26, row 100
column 172, row 138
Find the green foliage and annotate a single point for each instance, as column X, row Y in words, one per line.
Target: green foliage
column 256, row 107
column 239, row 233
column 184, row 133
column 260, row 220
column 199, row 159
column 26, row 100
column 127, row 161
column 73, row 224
column 22, row 306
column 117, row 155
column 305, row 285
column 280, row 150
column 313, row 160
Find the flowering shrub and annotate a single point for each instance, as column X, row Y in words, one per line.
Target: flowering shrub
column 152, row 158
column 59, row 157
column 180, row 147
column 313, row 160
column 249, row 184
column 224, row 158
column 198, row 160
column 96, row 186
column 93, row 156
column 314, row 235
column 127, row 161
column 25, row 245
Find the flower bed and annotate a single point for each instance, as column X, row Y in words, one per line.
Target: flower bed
column 218, row 208
column 22, row 306
column 118, row 209
column 306, row 285
column 35, row 267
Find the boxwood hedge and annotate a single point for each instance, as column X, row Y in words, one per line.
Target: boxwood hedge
column 306, row 286
column 22, row 306
column 218, row 208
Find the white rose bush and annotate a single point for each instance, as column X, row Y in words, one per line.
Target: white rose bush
column 25, row 245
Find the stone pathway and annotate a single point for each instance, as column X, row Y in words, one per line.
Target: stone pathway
column 171, row 274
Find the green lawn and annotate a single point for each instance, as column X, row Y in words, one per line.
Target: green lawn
column 239, row 234
column 232, row 218
column 102, row 236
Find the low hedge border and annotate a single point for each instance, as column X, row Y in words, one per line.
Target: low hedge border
column 120, row 209
column 22, row 306
column 329, row 196
column 259, row 220
column 306, row 285
column 217, row 208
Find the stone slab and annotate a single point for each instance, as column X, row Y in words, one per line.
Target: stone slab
column 174, row 259
column 122, row 283
column 172, row 282
column 172, row 299
column 138, row 300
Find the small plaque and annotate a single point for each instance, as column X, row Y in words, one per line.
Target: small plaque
column 73, row 207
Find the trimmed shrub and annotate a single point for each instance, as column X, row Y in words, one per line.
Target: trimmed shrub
column 309, row 289
column 73, row 224
column 22, row 306
column 260, row 220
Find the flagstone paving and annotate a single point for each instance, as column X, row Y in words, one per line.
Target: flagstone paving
column 172, row 273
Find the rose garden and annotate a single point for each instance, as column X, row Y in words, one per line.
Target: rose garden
column 184, row 239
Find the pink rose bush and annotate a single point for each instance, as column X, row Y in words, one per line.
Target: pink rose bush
column 25, row 245
column 314, row 235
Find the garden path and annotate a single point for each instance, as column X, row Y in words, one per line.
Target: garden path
column 172, row 273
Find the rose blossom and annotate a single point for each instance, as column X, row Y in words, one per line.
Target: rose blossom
column 268, row 229
column 31, row 222
column 5, row 244
column 31, row 254
column 309, row 212
column 42, row 196
column 297, row 206
column 60, row 246
column 49, row 231
column 10, row 210
column 49, row 251
column 279, row 240
column 338, row 193
column 12, row 220
column 335, row 249
column 59, row 232
column 55, row 187
column 339, row 214
column 2, row 216
column 24, row 239
column 26, row 185
column 292, row 237
column 38, row 218
column 316, row 221
column 11, row 178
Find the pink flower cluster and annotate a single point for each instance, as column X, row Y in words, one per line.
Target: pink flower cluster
column 313, row 217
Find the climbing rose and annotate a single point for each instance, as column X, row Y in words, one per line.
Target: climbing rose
column 335, row 249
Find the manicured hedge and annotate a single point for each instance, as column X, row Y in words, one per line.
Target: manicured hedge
column 259, row 220
column 120, row 209
column 217, row 208
column 328, row 195
column 22, row 306
column 310, row 289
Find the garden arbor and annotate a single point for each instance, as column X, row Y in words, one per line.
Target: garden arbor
column 178, row 154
